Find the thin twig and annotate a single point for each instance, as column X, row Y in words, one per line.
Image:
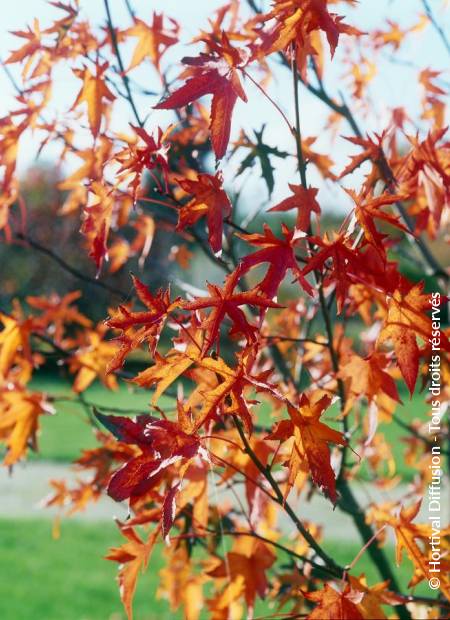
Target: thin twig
column 72, row 270
column 436, row 25
column 123, row 74
column 335, row 568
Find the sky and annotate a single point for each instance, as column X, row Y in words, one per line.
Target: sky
column 394, row 85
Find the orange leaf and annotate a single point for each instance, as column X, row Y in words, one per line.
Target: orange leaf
column 133, row 556
column 93, row 92
column 311, row 439
column 334, row 605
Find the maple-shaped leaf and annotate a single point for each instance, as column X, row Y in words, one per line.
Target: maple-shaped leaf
column 345, row 267
column 414, row 539
column 294, row 22
column 406, row 320
column 279, row 253
column 33, row 44
column 367, row 376
column 97, row 221
column 176, row 362
column 14, row 338
column 91, row 358
column 153, row 39
column 142, row 326
column 133, row 557
column 247, row 563
column 424, row 173
column 374, row 597
column 216, row 74
column 258, row 151
column 124, row 429
column 56, row 314
column 226, row 302
column 311, row 439
column 304, row 200
column 210, row 200
column 372, row 149
column 335, row 605
column 19, row 421
column 227, row 394
column 161, row 443
column 368, row 208
column 179, row 584
column 151, row 156
column 93, row 92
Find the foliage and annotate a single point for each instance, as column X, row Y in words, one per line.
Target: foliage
column 227, row 351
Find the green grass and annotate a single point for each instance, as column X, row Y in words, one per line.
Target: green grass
column 68, row 579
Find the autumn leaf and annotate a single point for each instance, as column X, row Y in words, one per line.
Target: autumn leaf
column 227, row 395
column 57, row 313
column 367, row 376
column 414, row 539
column 335, row 605
column 19, row 421
column 97, row 221
column 304, row 200
column 345, row 269
column 161, row 443
column 91, row 359
column 140, row 327
column 216, row 74
column 405, row 321
column 180, row 585
column 133, row 557
column 226, row 302
column 153, row 40
column 279, row 253
column 368, row 208
column 93, row 92
column 311, row 439
column 14, row 337
column 210, row 200
column 294, row 23
column 151, row 155
column 175, row 363
column 247, row 563
column 372, row 149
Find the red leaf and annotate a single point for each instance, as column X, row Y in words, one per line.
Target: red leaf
column 280, row 255
column 304, row 200
column 225, row 301
column 169, row 510
column 209, row 199
column 214, row 74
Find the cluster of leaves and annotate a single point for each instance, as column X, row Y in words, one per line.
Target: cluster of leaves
column 241, row 347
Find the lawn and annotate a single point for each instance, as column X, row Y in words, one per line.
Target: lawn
column 68, row 579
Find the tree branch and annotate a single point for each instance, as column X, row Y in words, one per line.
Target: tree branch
column 72, row 270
